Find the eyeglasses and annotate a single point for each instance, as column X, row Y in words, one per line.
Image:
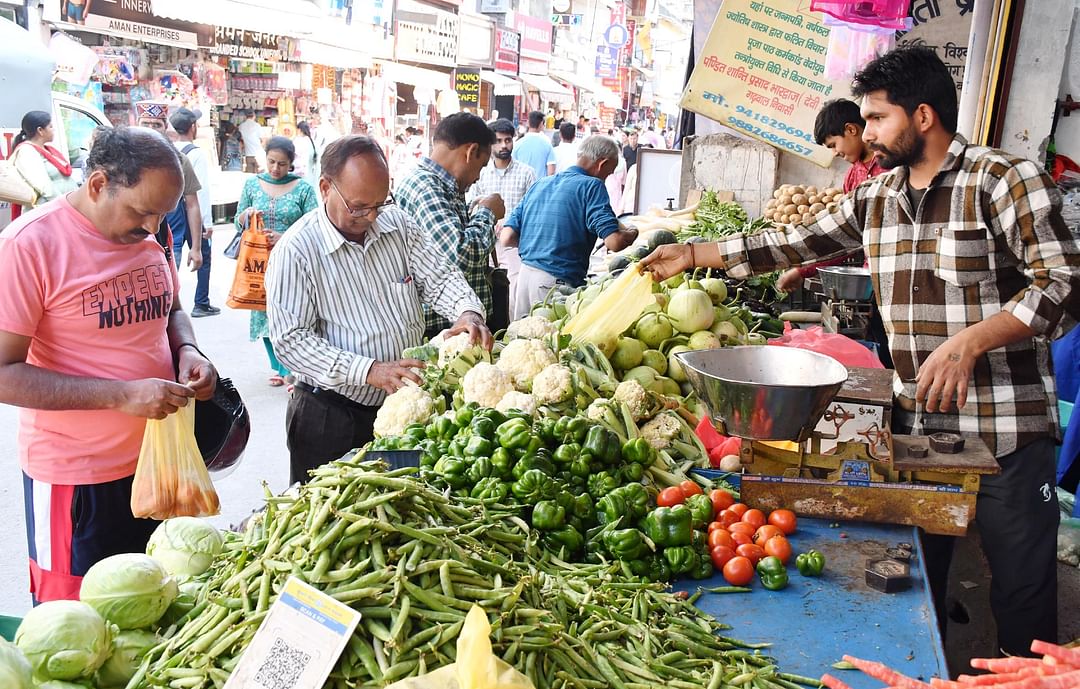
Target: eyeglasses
column 361, row 212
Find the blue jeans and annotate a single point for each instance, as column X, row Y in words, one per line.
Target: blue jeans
column 202, row 278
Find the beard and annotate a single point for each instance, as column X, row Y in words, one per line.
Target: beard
column 909, row 149
column 503, row 155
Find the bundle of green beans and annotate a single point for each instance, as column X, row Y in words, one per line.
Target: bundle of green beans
column 413, row 561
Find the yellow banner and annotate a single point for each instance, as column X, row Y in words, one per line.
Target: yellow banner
column 762, row 73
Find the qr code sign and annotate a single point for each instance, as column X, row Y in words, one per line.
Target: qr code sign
column 282, row 667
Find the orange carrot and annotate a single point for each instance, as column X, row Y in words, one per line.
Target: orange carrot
column 939, row 683
column 832, row 682
column 1068, row 680
column 881, row 672
column 1011, row 664
column 987, row 680
column 1048, row 670
column 1069, row 656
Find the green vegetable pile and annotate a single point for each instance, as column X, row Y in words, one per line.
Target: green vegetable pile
column 715, row 219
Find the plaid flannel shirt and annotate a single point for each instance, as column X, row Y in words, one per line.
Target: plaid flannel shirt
column 430, row 195
column 987, row 237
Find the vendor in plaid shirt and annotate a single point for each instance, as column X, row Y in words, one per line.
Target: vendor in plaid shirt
column 974, row 271
column 434, row 195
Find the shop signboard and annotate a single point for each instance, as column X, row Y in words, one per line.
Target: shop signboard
column 507, row 49
column 426, row 34
column 132, row 19
column 248, row 44
column 476, row 44
column 607, row 62
column 943, row 28
column 467, row 85
column 535, row 37
column 761, row 72
column 495, row 6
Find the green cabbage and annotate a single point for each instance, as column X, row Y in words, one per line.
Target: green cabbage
column 128, row 649
column 185, row 546
column 14, row 667
column 131, row 590
column 64, row 639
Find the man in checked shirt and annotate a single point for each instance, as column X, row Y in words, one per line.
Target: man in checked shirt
column 974, row 271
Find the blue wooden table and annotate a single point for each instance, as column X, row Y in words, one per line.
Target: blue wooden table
column 815, row 621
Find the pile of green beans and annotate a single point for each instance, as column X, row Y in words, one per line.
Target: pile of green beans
column 413, row 561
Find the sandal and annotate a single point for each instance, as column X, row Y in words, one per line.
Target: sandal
column 276, row 381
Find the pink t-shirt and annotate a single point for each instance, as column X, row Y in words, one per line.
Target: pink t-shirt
column 92, row 308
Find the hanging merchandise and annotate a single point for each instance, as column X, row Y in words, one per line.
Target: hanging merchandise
column 173, row 86
column 75, row 62
column 115, row 68
column 853, row 46
column 887, row 14
column 213, row 83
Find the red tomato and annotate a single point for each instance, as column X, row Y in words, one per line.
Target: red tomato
column 720, row 555
column 739, row 509
column 740, row 538
column 713, row 526
column 690, row 488
column 751, row 552
column 721, row 500
column 669, row 497
column 730, row 446
column 738, row 571
column 743, row 528
column 780, row 547
column 755, row 518
column 727, row 518
column 766, row 532
column 720, row 537
column 783, row 520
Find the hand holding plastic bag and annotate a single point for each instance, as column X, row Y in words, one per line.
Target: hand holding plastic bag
column 171, row 479
column 476, row 666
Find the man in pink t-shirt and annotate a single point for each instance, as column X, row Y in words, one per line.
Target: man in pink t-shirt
column 90, row 331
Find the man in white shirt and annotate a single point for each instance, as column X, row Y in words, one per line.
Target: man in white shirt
column 251, row 133
column 344, row 288
column 186, row 124
column 566, row 152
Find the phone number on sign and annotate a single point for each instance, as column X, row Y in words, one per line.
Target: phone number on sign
column 774, row 123
column 768, row 136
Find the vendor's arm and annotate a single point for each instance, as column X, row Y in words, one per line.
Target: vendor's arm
column 829, row 235
column 1026, row 212
column 291, row 310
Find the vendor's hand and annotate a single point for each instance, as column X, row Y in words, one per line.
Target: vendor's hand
column 494, row 203
column 196, row 372
column 194, row 259
column 390, row 376
column 790, row 281
column 667, row 260
column 471, row 322
column 153, row 398
column 945, row 375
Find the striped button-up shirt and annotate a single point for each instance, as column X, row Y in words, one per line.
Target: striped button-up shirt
column 987, row 237
column 431, row 196
column 510, row 183
column 336, row 307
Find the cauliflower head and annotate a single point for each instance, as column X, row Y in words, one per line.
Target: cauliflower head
column 596, row 409
column 523, row 359
column 553, row 385
column 530, row 327
column 452, row 348
column 661, row 430
column 522, row 401
column 486, row 384
column 410, row 404
column 633, row 395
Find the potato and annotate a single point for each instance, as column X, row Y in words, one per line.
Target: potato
column 794, row 219
column 785, row 199
column 798, row 190
column 817, row 208
column 803, row 208
column 790, row 208
column 798, row 199
column 811, row 190
column 814, row 198
column 807, row 218
column 776, row 194
column 777, row 216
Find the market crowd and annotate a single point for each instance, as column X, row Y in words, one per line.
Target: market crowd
column 372, row 251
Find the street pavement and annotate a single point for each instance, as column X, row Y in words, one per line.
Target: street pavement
column 224, row 338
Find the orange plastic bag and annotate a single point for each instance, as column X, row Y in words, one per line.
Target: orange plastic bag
column 844, row 349
column 171, row 479
column 249, row 282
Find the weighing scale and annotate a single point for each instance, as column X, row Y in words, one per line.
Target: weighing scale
column 837, row 457
column 847, row 300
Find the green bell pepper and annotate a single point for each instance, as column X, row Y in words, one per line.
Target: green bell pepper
column 584, row 509
column 701, row 507
column 639, row 451
column 502, row 464
column 457, row 446
column 602, row 483
column 771, row 572
column 564, row 537
column 626, row 544
column 602, row 445
column 572, row 429
column 580, row 468
column 631, row 473
column 534, row 486
column 490, row 488
column 682, row 559
column 611, row 508
column 567, row 454
column 810, row 564
column 443, row 427
column 548, row 515
column 704, row 570
column 479, row 446
column 452, row 470
column 513, row 434
column 390, row 442
column 483, row 427
column 494, row 415
column 545, row 428
column 670, row 526
column 536, row 461
column 637, row 500
column 659, row 569
column 414, row 434
column 479, row 467
column 464, row 415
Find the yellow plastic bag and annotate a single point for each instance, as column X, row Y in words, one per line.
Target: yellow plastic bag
column 170, row 478
column 476, row 666
column 614, row 310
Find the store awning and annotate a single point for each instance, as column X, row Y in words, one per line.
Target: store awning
column 317, row 53
column 503, row 85
column 548, row 88
column 417, row 76
column 601, row 93
column 275, row 17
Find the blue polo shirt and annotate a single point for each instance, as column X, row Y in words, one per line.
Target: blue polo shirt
column 558, row 221
column 536, row 151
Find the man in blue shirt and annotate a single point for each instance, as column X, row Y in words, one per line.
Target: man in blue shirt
column 534, row 149
column 557, row 223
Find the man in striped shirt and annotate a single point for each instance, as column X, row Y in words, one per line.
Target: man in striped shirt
column 344, row 288
column 974, row 271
